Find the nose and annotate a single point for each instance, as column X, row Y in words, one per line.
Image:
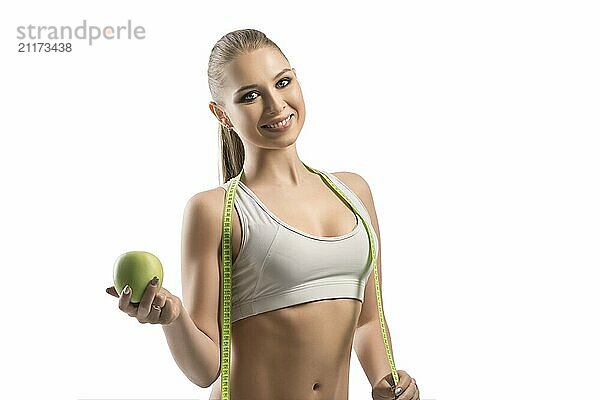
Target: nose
column 275, row 104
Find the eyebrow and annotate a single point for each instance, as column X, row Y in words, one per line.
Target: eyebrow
column 253, row 85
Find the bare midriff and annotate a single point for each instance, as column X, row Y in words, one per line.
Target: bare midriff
column 300, row 352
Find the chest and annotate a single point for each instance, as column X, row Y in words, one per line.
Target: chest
column 316, row 210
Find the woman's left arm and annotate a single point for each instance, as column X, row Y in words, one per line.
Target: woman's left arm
column 368, row 342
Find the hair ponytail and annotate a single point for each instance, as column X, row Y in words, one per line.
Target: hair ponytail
column 232, row 153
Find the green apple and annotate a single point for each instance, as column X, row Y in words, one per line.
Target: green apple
column 136, row 269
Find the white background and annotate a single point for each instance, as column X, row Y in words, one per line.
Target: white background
column 476, row 124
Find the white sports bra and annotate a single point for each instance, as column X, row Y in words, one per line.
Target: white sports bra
column 280, row 266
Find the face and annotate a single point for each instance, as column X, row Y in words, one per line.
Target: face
column 261, row 89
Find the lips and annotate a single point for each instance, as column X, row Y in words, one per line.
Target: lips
column 274, row 124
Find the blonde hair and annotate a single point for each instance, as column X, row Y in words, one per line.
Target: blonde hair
column 228, row 48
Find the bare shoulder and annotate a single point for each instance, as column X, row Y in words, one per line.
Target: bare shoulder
column 356, row 183
column 205, row 210
column 209, row 201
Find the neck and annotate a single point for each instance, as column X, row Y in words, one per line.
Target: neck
column 276, row 167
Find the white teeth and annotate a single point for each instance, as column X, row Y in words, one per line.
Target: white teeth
column 279, row 124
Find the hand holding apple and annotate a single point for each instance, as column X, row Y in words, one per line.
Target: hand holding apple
column 138, row 278
column 136, row 269
column 156, row 306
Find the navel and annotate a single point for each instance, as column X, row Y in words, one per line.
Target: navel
column 316, row 386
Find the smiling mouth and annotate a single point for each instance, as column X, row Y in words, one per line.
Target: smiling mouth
column 279, row 124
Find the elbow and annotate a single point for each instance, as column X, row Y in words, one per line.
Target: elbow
column 205, row 379
column 206, row 383
column 203, row 386
column 201, row 383
column 199, row 377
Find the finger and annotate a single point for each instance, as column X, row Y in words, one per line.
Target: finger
column 154, row 315
column 125, row 301
column 171, row 310
column 385, row 388
column 403, row 382
column 160, row 299
column 417, row 394
column 408, row 393
column 168, row 312
column 147, row 298
column 112, row 291
column 156, row 309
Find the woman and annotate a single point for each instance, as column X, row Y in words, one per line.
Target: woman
column 294, row 320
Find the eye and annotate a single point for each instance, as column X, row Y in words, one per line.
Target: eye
column 245, row 98
column 288, row 80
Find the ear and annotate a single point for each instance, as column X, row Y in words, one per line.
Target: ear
column 217, row 111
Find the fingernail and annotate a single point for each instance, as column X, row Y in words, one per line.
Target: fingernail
column 154, row 281
column 126, row 289
column 397, row 391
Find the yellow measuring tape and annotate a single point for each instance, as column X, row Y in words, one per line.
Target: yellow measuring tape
column 226, row 301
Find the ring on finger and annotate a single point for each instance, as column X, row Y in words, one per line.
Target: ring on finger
column 397, row 391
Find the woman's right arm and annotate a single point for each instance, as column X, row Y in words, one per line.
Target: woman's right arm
column 193, row 337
